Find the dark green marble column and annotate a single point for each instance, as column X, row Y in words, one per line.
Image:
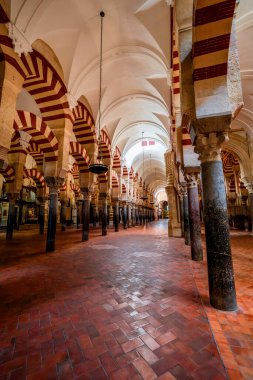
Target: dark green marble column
column 52, row 218
column 63, row 214
column 116, row 216
column 194, row 218
column 219, row 258
column 103, row 198
column 187, row 237
column 85, row 215
column 124, row 216
column 53, row 183
column 11, row 215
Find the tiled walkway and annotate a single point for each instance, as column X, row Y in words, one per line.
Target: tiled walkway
column 125, row 306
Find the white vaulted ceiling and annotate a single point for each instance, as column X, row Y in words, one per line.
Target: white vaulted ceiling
column 135, row 66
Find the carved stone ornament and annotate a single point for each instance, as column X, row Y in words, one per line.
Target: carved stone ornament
column 71, row 100
column 191, row 179
column 54, row 183
column 86, row 194
column 209, row 147
column 19, row 40
column 24, row 139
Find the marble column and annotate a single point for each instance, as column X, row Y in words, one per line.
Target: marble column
column 219, row 259
column 124, row 216
column 42, row 216
column 133, row 216
column 63, row 214
column 181, row 207
column 85, row 214
column 129, row 215
column 53, row 184
column 103, row 198
column 116, row 216
column 137, row 222
column 140, row 215
column 11, row 215
column 194, row 217
column 187, row 237
column 249, row 186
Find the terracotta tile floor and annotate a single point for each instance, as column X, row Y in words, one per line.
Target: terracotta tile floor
column 233, row 331
column 125, row 306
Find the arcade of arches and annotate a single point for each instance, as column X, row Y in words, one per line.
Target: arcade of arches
column 177, row 136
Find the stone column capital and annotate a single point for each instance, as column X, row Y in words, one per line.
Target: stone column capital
column 209, row 146
column 87, row 193
column 191, row 179
column 248, row 183
column 54, row 183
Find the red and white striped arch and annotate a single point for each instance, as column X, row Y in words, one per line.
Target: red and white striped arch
column 105, row 148
column 80, row 155
column 115, row 179
column 46, row 86
column 36, row 176
column 8, row 173
column 83, row 125
column 117, row 159
column 75, row 188
column 41, row 134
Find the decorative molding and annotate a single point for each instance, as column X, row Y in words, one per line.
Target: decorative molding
column 20, row 42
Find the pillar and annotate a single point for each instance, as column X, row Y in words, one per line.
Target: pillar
column 137, row 221
column 133, row 216
column 42, row 216
column 194, row 217
column 11, row 215
column 85, row 214
column 124, row 216
column 103, row 198
column 187, row 238
column 129, row 215
column 219, row 258
column 63, row 214
column 116, row 216
column 53, row 184
column 249, row 186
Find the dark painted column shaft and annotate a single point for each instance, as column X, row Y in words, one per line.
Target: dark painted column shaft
column 86, row 218
column 11, row 216
column 116, row 216
column 133, row 216
column 63, row 215
column 52, row 219
column 194, row 220
column 137, row 216
column 187, row 237
column 219, row 258
column 104, row 216
column 251, row 208
column 129, row 215
column 42, row 218
column 124, row 216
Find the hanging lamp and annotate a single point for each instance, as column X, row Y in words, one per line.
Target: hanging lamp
column 144, row 196
column 99, row 167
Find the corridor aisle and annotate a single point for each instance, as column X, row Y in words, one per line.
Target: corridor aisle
column 123, row 306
